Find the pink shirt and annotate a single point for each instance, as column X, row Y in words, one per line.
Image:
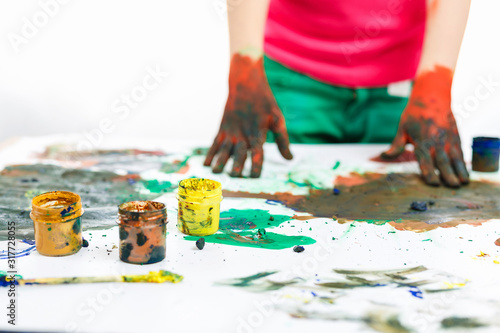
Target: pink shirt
column 353, row 43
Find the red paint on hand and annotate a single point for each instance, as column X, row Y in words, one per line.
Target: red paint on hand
column 428, row 124
column 250, row 112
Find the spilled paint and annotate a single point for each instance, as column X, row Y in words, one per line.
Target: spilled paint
column 160, row 276
column 271, row 241
column 386, row 198
column 248, row 228
column 101, row 192
column 406, row 156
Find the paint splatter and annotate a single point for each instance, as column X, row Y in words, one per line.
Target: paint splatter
column 101, row 192
column 461, row 322
column 381, row 198
column 247, row 227
column 271, row 241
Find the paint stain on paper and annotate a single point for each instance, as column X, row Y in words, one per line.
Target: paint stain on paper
column 101, row 192
column 386, row 198
column 248, row 227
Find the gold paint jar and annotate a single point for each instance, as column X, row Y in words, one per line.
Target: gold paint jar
column 57, row 222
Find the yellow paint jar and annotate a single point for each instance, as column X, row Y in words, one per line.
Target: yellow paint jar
column 199, row 206
column 57, row 221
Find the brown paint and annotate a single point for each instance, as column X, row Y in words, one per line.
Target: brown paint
column 497, row 242
column 387, row 198
column 142, row 229
column 406, row 156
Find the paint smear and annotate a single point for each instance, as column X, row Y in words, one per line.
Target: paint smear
column 406, row 156
column 247, row 228
column 386, row 198
column 101, row 192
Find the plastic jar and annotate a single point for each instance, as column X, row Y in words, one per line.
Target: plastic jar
column 143, row 231
column 57, row 222
column 199, row 206
column 485, row 154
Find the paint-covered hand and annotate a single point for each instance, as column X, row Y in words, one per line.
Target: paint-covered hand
column 251, row 111
column 428, row 124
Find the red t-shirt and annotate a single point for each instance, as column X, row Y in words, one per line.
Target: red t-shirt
column 353, row 43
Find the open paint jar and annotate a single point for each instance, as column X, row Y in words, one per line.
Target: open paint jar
column 57, row 221
column 199, row 206
column 485, row 154
column 143, row 231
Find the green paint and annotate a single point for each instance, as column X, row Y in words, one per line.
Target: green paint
column 427, row 240
column 247, row 280
column 155, row 186
column 335, row 167
column 461, row 322
column 244, row 219
column 173, row 167
column 270, row 240
column 251, row 225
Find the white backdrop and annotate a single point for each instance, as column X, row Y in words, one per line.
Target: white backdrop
column 71, row 70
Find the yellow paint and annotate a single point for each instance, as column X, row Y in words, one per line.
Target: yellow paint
column 482, row 254
column 57, row 222
column 154, row 277
column 451, row 285
column 496, row 262
column 199, row 206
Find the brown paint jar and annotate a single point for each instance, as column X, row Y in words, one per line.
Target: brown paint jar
column 143, row 231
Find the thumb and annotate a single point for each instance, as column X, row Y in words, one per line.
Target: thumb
column 397, row 147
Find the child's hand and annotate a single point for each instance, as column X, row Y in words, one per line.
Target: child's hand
column 250, row 112
column 428, row 124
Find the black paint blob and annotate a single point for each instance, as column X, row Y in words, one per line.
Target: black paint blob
column 200, row 243
column 298, row 248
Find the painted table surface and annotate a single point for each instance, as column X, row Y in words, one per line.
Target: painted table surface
column 198, row 304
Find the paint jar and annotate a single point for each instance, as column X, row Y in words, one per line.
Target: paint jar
column 485, row 154
column 199, row 206
column 57, row 221
column 143, row 231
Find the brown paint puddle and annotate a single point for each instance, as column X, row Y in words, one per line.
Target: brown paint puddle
column 497, row 242
column 387, row 198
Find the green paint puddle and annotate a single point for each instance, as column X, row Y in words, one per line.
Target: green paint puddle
column 251, row 225
column 155, row 186
column 335, row 167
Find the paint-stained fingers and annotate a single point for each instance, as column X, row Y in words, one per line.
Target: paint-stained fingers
column 397, row 147
column 239, row 158
column 445, row 169
column 459, row 164
column 225, row 152
column 213, row 150
column 426, row 166
column 281, row 137
column 257, row 160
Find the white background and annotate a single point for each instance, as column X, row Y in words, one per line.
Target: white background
column 66, row 77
